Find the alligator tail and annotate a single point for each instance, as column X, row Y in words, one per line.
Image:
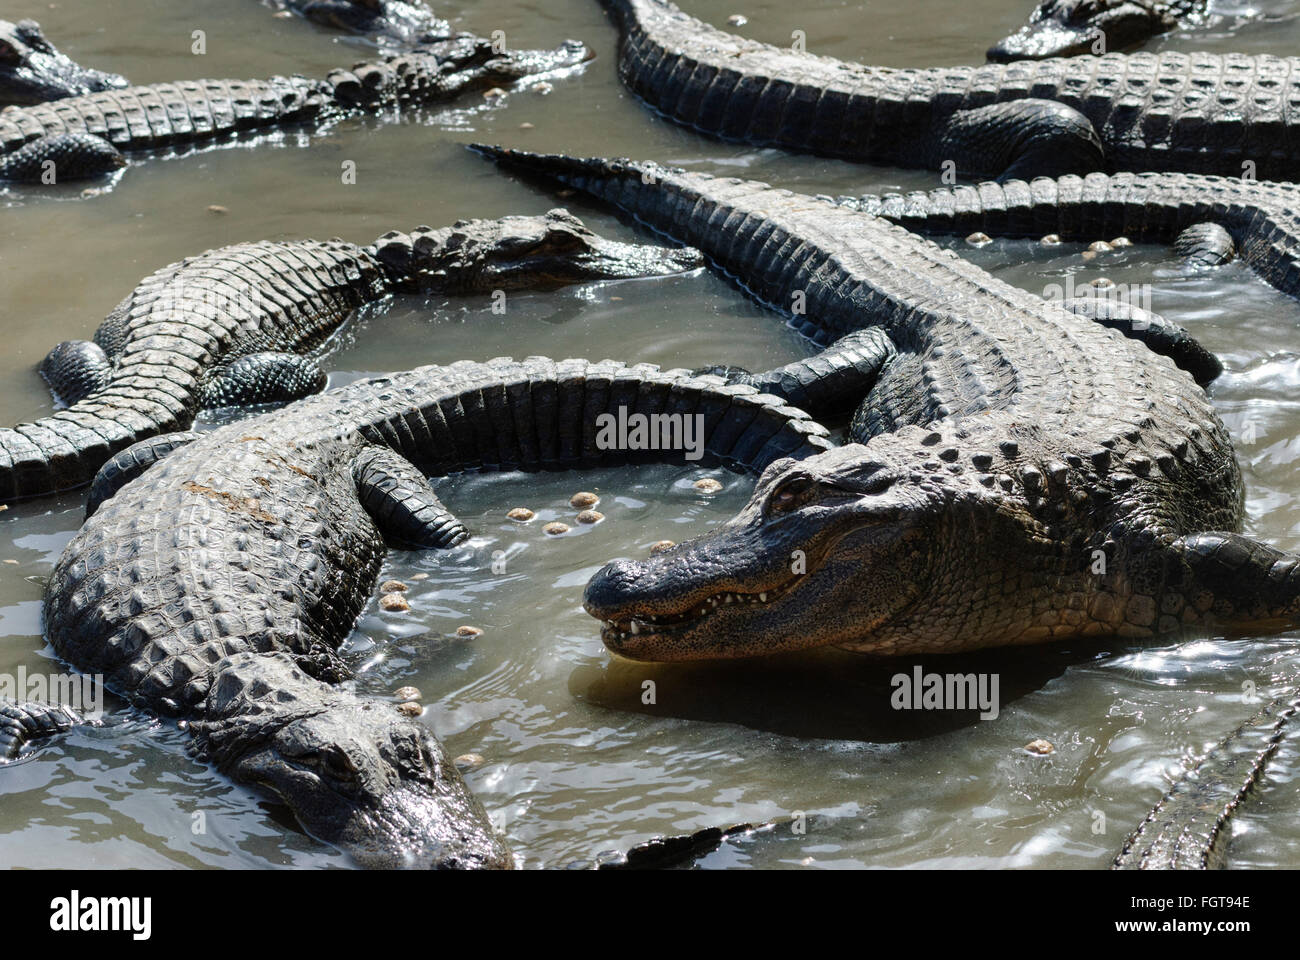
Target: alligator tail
column 659, row 197
column 67, row 448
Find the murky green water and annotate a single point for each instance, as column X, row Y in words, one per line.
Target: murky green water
column 576, row 763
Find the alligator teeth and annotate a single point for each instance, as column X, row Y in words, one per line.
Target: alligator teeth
column 649, row 623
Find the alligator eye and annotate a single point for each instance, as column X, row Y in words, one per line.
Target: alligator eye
column 791, row 493
column 29, row 31
column 563, row 239
column 879, row 483
column 339, row 765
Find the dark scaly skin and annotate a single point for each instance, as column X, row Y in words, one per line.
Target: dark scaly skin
column 1185, row 830
column 33, row 71
column 1208, row 219
column 404, row 21
column 21, row 723
column 186, row 114
column 239, row 562
column 166, row 344
column 1199, row 112
column 1067, row 28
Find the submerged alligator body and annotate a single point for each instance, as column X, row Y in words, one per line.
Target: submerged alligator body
column 86, row 136
column 217, row 585
column 1067, row 28
column 1208, row 219
column 233, row 326
column 32, row 70
column 402, row 21
column 1194, row 113
column 1186, row 829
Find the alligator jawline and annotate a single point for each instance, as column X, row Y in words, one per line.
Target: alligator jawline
column 621, row 628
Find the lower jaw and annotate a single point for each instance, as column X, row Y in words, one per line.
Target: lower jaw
column 650, row 647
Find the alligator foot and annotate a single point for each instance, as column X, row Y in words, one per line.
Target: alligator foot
column 21, row 723
column 130, row 463
column 1162, row 336
column 1019, row 138
column 67, row 156
column 75, row 369
column 1205, row 245
column 269, row 377
column 827, row 385
column 400, row 502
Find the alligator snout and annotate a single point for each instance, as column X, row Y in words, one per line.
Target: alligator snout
column 610, row 590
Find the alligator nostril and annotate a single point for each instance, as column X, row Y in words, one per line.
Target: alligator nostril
column 611, row 586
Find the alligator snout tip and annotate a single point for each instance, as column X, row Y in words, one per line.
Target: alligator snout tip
column 609, row 589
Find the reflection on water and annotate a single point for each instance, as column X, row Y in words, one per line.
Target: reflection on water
column 576, row 760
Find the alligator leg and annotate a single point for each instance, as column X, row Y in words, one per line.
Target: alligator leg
column 1231, row 582
column 1162, row 336
column 130, row 463
column 75, row 369
column 21, row 723
column 1205, row 245
column 1185, row 829
column 399, row 500
column 269, row 377
column 65, row 156
column 1019, row 138
column 827, row 385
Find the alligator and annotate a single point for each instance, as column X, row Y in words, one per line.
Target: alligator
column 1095, row 470
column 33, row 71
column 1193, row 113
column 85, row 136
column 1209, row 220
column 234, row 326
column 996, row 414
column 1067, row 28
column 216, row 585
column 404, row 21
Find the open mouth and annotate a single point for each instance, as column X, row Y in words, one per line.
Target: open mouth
column 621, row 629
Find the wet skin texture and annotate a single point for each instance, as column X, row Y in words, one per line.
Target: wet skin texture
column 1069, row 28
column 92, row 131
column 235, row 326
column 1194, row 113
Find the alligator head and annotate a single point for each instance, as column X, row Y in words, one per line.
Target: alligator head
column 33, row 71
column 405, row 20
column 516, row 252
column 1064, row 28
column 828, row 551
column 355, row 772
column 440, row 70
column 490, row 63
